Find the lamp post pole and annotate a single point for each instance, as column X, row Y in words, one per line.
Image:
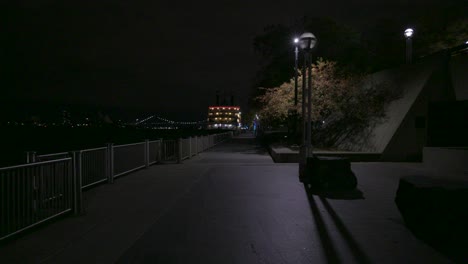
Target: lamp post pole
column 309, row 104
column 296, row 58
column 409, row 45
column 304, row 102
column 307, row 42
column 294, row 116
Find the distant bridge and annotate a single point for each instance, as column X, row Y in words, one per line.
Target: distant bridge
column 155, row 121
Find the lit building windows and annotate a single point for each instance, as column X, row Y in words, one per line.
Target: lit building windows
column 224, row 117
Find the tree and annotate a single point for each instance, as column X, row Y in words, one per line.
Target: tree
column 341, row 105
column 276, row 52
column 449, row 35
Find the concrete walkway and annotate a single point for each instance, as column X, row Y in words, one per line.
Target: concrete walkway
column 231, row 204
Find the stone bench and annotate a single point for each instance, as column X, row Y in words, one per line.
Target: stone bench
column 329, row 173
column 436, row 211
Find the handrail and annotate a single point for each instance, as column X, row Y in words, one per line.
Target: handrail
column 34, row 164
column 93, row 149
column 53, row 154
column 126, row 145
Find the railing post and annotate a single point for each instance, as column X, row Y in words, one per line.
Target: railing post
column 147, row 153
column 160, row 149
column 179, row 150
column 77, row 182
column 164, row 148
column 110, row 163
column 190, row 147
column 196, row 145
column 30, row 156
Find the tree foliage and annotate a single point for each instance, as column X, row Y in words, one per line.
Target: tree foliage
column 455, row 34
column 378, row 46
column 341, row 105
column 276, row 52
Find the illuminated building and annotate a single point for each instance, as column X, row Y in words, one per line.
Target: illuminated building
column 224, row 117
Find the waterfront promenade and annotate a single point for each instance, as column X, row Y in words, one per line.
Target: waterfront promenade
column 231, row 204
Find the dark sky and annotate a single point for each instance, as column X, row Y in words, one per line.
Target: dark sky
column 168, row 57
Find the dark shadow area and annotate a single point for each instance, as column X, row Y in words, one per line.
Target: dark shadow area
column 436, row 212
column 37, row 228
column 253, row 151
column 327, row 244
column 356, row 250
column 355, row 194
column 232, row 146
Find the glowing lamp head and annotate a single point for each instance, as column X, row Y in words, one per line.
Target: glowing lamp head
column 307, row 41
column 409, row 32
column 296, row 40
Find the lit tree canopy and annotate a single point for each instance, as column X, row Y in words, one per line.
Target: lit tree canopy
column 331, row 88
column 340, row 103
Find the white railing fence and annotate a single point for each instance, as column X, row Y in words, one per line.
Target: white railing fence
column 33, row 193
column 154, row 151
column 169, row 150
column 51, row 185
column 129, row 157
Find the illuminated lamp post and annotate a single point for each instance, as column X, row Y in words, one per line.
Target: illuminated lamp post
column 296, row 59
column 293, row 112
column 409, row 45
column 307, row 42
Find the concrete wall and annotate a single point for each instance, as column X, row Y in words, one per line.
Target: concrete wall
column 410, row 80
column 411, row 136
column 459, row 74
column 452, row 161
column 403, row 133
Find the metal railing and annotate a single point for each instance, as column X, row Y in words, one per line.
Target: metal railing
column 200, row 144
column 169, row 150
column 154, row 151
column 53, row 156
column 33, row 193
column 185, row 148
column 193, row 146
column 94, row 166
column 128, row 158
column 51, row 185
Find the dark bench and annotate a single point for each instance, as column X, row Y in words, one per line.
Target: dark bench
column 329, row 173
column 436, row 211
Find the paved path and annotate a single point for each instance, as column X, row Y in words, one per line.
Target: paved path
column 231, row 204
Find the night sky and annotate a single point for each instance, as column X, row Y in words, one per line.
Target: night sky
column 167, row 57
